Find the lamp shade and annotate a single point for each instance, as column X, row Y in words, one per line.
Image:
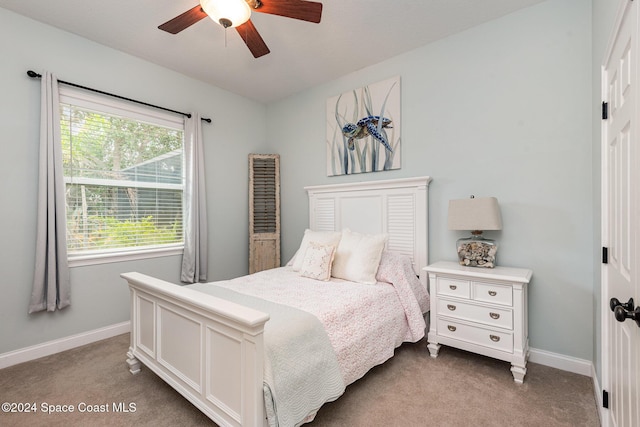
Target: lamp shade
column 481, row 213
column 228, row 13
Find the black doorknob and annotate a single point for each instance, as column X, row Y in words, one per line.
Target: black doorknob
column 621, row 314
column 614, row 302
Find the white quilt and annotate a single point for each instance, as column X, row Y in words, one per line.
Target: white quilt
column 365, row 323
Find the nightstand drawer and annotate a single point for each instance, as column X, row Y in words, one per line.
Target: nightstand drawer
column 453, row 287
column 492, row 316
column 492, row 293
column 477, row 335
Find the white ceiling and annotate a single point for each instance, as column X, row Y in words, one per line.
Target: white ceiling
column 353, row 34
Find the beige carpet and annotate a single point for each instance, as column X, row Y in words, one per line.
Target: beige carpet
column 411, row 389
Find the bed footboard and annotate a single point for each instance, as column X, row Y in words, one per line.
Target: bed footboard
column 210, row 350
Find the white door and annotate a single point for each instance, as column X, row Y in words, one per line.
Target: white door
column 621, row 223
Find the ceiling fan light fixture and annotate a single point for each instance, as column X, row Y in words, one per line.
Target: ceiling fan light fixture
column 228, row 13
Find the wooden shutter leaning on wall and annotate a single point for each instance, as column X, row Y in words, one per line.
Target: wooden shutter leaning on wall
column 264, row 212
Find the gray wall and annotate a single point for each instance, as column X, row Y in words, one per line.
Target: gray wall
column 99, row 296
column 502, row 110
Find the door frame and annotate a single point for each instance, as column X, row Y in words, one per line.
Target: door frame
column 606, row 317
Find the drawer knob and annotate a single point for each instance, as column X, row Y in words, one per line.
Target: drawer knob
column 494, row 338
column 453, row 287
column 451, row 328
column 494, row 315
column 493, row 293
column 451, row 307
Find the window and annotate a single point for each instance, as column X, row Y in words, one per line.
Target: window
column 123, row 172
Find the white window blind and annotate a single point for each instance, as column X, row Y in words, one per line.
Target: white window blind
column 123, row 168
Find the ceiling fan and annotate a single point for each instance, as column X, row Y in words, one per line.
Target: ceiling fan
column 236, row 13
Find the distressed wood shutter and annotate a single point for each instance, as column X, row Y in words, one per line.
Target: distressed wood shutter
column 264, row 212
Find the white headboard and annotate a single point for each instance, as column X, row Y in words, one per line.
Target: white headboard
column 397, row 207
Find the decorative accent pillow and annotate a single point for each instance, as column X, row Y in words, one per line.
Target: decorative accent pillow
column 358, row 256
column 321, row 237
column 317, row 261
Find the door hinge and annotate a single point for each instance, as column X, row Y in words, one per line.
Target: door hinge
column 605, row 255
column 605, row 399
column 605, row 110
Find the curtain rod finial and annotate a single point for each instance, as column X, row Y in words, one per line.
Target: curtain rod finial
column 33, row 74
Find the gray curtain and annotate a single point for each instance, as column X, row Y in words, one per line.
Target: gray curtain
column 194, row 259
column 51, row 283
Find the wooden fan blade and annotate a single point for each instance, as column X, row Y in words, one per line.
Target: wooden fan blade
column 187, row 19
column 309, row 11
column 252, row 38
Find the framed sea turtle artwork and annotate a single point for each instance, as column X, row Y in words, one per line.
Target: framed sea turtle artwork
column 363, row 129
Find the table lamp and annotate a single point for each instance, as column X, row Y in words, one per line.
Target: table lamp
column 475, row 214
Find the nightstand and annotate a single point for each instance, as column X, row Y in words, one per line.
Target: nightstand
column 482, row 310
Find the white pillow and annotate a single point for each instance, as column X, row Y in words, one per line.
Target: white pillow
column 358, row 256
column 320, row 237
column 317, row 261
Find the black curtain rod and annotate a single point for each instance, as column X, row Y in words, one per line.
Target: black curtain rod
column 35, row 75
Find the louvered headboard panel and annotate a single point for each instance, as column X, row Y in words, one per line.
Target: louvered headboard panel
column 397, row 207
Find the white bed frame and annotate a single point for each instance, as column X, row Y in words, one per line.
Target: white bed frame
column 211, row 350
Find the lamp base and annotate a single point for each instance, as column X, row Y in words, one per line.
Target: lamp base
column 476, row 251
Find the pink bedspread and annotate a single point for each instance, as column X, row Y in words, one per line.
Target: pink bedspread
column 365, row 323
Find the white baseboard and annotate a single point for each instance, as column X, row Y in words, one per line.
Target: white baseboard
column 56, row 346
column 560, row 361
